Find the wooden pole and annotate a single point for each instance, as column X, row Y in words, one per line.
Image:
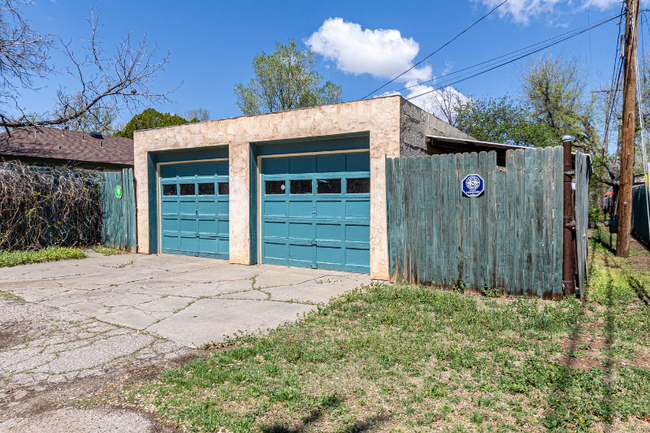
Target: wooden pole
column 628, row 131
column 568, row 235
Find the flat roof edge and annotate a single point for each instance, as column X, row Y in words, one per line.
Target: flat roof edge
column 489, row 143
column 477, row 142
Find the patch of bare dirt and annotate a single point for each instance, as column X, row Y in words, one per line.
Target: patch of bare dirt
column 13, row 334
column 639, row 257
column 583, row 351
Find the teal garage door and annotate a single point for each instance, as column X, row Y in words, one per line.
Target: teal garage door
column 194, row 208
column 316, row 211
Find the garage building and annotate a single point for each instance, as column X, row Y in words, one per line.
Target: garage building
column 297, row 188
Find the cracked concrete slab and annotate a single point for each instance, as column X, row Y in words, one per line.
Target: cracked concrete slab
column 128, row 299
column 164, row 304
column 96, row 354
column 317, row 291
column 248, row 294
column 130, row 317
column 225, row 317
column 58, row 345
column 139, row 291
column 84, row 319
column 71, row 419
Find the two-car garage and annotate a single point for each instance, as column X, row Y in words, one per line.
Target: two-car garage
column 306, row 187
column 313, row 208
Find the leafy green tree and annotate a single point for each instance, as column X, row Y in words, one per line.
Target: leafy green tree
column 503, row 120
column 555, row 92
column 285, row 80
column 151, row 118
column 198, row 115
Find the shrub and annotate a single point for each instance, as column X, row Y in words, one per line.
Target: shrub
column 42, row 207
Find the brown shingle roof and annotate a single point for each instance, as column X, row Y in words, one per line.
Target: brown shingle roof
column 62, row 144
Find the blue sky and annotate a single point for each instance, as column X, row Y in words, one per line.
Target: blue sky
column 212, row 43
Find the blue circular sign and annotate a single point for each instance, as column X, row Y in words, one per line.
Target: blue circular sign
column 472, row 185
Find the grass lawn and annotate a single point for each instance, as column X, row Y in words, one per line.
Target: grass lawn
column 109, row 251
column 51, row 254
column 411, row 358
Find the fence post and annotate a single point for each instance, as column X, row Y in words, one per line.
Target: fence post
column 568, row 266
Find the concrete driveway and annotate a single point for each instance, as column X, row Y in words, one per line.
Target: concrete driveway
column 190, row 301
column 70, row 329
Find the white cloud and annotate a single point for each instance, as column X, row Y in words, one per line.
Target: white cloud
column 380, row 53
column 522, row 11
column 601, row 4
column 441, row 103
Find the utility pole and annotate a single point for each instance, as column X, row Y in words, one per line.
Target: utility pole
column 628, row 130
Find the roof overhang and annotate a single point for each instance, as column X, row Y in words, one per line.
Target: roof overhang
column 475, row 145
column 440, row 145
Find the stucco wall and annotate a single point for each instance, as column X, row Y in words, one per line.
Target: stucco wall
column 416, row 124
column 380, row 117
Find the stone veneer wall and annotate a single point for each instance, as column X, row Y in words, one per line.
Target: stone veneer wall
column 416, row 124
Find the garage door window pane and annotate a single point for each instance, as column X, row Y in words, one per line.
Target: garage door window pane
column 187, row 189
column 358, row 186
column 329, row 186
column 169, row 190
column 302, row 186
column 224, row 188
column 206, row 188
column 274, row 187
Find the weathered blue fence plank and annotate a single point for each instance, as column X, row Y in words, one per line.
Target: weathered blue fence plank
column 508, row 239
column 558, row 218
column 516, row 218
column 582, row 175
column 118, row 211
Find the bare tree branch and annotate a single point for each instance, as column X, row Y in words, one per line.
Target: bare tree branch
column 105, row 83
column 23, row 51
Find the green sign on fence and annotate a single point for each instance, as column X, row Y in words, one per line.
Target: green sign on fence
column 118, row 191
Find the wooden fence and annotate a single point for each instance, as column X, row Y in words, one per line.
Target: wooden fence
column 118, row 209
column 581, row 199
column 640, row 225
column 508, row 239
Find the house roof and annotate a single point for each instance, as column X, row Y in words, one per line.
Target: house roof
column 66, row 145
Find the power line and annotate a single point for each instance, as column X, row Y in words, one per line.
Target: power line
column 436, row 51
column 514, row 59
column 616, row 82
column 612, row 101
column 571, row 32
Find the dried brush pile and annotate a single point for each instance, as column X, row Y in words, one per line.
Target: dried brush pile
column 42, row 207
